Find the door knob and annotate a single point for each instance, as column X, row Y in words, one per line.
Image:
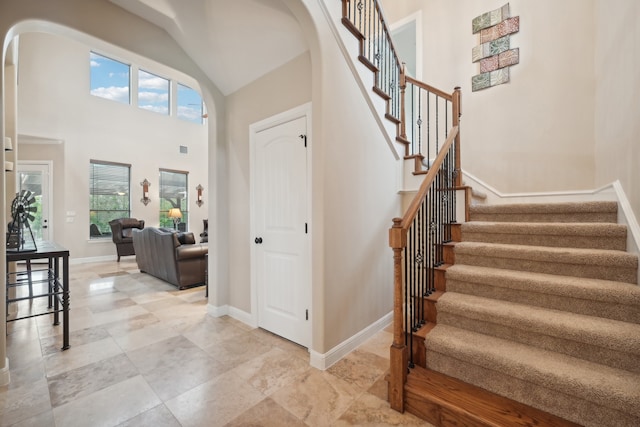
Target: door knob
column 258, row 240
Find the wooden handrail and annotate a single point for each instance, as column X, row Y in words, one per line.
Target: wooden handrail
column 429, row 88
column 388, row 34
column 399, row 232
column 412, row 210
column 398, row 242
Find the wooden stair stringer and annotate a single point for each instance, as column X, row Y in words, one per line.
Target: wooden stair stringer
column 401, row 139
column 446, row 401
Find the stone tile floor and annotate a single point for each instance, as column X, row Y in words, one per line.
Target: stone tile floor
column 145, row 354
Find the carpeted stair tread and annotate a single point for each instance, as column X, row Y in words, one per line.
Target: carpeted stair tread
column 592, row 263
column 558, row 234
column 604, row 298
column 592, row 338
column 602, row 385
column 602, row 211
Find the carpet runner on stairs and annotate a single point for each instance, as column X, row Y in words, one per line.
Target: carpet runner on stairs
column 543, row 306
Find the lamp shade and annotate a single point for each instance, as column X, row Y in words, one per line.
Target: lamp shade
column 175, row 213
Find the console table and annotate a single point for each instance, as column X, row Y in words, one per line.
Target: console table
column 56, row 291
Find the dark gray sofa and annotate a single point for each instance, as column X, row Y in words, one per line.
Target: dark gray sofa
column 171, row 256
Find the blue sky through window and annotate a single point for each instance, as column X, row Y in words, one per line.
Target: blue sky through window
column 109, row 78
column 153, row 92
column 189, row 104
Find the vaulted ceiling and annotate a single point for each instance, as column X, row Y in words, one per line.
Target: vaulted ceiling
column 233, row 41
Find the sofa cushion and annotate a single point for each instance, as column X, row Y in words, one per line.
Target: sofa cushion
column 186, row 238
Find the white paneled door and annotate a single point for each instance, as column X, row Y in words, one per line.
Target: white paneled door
column 281, row 255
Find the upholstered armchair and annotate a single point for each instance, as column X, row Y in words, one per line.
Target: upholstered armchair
column 122, row 235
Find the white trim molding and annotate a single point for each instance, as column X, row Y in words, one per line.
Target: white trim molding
column 610, row 192
column 324, row 361
column 5, row 375
column 215, row 311
column 243, row 316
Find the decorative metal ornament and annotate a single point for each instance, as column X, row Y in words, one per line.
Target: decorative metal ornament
column 145, row 192
column 22, row 210
column 199, row 200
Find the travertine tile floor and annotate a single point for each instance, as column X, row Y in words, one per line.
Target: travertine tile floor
column 145, row 354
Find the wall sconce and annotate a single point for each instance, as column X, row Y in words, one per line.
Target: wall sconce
column 145, row 192
column 199, row 201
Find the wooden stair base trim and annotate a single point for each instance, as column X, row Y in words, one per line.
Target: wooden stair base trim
column 440, row 278
column 430, row 310
column 392, row 118
column 352, row 29
column 446, row 402
column 448, row 252
column 419, row 350
column 456, row 232
column 381, row 93
column 367, row 63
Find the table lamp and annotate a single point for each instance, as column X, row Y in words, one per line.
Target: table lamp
column 176, row 215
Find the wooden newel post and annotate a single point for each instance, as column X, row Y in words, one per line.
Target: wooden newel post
column 398, row 369
column 457, row 112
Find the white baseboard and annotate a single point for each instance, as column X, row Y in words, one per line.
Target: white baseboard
column 494, row 196
column 76, row 261
column 233, row 312
column 243, row 316
column 324, row 361
column 215, row 311
column 610, row 192
column 5, row 377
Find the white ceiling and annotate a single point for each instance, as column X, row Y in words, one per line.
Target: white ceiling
column 233, row 41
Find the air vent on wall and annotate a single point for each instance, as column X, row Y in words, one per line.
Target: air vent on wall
column 183, row 149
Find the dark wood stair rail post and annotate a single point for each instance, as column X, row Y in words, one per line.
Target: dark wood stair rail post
column 398, row 242
column 398, row 362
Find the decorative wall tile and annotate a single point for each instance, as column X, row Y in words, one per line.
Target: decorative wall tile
column 509, row 26
column 481, row 22
column 476, row 53
column 489, row 64
column 505, row 59
column 499, row 45
column 500, row 76
column 496, row 16
column 489, row 34
column 490, row 19
column 489, row 49
column 493, row 78
column 494, row 52
column 481, row 81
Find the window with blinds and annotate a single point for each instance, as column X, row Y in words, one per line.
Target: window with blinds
column 109, row 195
column 173, row 194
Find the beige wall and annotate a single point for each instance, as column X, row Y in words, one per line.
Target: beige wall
column 535, row 133
column 354, row 194
column 278, row 91
column 617, row 128
column 54, row 102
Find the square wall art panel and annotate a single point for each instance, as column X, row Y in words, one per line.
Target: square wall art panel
column 493, row 52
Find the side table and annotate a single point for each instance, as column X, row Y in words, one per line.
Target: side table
column 57, row 290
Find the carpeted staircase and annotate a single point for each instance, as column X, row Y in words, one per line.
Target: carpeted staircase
column 542, row 306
